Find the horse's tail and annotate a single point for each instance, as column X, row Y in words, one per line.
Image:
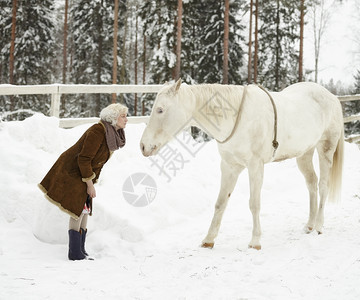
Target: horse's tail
column 335, row 179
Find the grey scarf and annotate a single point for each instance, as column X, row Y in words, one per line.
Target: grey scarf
column 115, row 139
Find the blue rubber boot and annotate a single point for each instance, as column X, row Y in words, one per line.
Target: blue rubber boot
column 75, row 252
column 83, row 238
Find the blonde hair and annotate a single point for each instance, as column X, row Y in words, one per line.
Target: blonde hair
column 112, row 112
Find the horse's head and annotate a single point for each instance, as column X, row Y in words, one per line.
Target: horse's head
column 171, row 111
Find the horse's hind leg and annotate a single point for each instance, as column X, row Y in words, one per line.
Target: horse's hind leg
column 229, row 176
column 306, row 167
column 326, row 151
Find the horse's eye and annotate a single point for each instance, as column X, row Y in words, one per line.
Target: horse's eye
column 159, row 110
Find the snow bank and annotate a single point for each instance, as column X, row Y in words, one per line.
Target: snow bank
column 33, row 145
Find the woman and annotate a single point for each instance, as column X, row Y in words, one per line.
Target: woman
column 70, row 182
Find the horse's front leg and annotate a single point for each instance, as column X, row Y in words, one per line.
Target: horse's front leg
column 229, row 176
column 256, row 175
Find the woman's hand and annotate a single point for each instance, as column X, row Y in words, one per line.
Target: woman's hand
column 91, row 189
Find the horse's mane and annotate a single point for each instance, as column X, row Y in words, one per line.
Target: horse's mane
column 212, row 92
column 217, row 107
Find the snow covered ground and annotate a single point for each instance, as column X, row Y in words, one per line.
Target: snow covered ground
column 153, row 252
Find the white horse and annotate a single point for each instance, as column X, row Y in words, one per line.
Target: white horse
column 254, row 127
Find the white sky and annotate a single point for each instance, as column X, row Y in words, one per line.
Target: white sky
column 340, row 49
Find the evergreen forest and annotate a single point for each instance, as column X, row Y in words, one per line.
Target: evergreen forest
column 154, row 41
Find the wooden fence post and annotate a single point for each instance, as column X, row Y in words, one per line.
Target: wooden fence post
column 55, row 103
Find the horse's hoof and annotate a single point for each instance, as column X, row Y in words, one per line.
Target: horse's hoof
column 207, row 245
column 308, row 229
column 256, row 247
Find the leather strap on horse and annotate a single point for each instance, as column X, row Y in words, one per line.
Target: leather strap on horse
column 237, row 119
column 275, row 143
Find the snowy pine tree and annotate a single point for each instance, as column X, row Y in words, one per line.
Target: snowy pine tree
column 191, row 44
column 357, row 83
column 160, row 31
column 353, row 108
column 34, row 50
column 278, row 49
column 203, row 41
column 92, row 34
column 5, row 33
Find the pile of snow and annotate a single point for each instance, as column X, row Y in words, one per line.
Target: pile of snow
column 153, row 252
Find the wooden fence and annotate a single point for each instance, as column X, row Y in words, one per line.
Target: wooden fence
column 56, row 90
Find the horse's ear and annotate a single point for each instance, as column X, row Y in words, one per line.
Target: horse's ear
column 177, row 85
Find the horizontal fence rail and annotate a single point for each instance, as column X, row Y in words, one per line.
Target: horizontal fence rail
column 56, row 90
column 350, row 98
column 9, row 89
column 72, row 122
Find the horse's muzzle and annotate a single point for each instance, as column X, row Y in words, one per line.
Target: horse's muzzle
column 148, row 151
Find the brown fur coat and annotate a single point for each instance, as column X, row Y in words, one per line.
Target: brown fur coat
column 64, row 185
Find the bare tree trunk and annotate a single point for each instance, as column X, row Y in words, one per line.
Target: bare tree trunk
column 114, row 75
column 144, row 58
column 123, row 55
column 250, row 41
column 144, row 75
column 12, row 50
column 12, row 45
column 63, row 99
column 99, row 58
column 256, row 40
column 226, row 44
column 178, row 40
column 301, row 50
column 319, row 29
column 65, row 42
column 136, row 58
column 317, row 40
column 316, row 69
column 278, row 45
column 71, row 40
